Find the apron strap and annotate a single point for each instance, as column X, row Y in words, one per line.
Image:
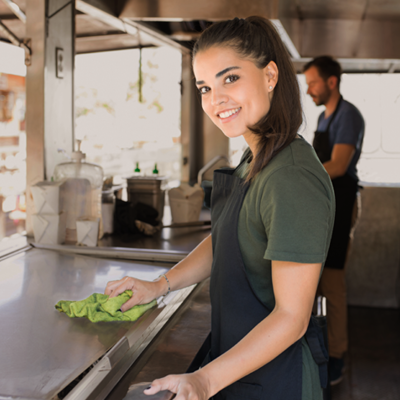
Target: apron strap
column 201, row 355
column 334, row 114
column 318, row 347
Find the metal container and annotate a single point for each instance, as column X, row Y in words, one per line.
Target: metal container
column 147, row 190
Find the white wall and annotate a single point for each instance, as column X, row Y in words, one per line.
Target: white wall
column 377, row 96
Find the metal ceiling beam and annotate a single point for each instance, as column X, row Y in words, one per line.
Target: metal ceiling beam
column 393, row 67
column 286, row 39
column 16, row 10
column 360, row 65
column 132, row 28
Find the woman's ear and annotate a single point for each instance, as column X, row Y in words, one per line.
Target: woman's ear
column 271, row 71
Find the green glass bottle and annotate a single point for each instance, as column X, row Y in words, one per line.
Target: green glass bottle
column 155, row 170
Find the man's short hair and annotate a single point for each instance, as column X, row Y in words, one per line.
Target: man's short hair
column 327, row 66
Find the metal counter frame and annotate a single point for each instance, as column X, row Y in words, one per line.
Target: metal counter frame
column 120, row 358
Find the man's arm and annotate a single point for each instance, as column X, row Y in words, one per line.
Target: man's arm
column 341, row 157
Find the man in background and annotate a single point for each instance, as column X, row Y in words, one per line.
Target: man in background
column 337, row 142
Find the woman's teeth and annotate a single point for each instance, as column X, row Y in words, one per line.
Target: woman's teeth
column 227, row 114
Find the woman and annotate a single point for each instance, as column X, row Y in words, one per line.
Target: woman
column 271, row 225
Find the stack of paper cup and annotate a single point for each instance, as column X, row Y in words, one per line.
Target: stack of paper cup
column 87, row 231
column 49, row 222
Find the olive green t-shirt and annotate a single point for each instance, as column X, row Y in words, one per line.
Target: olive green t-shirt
column 287, row 215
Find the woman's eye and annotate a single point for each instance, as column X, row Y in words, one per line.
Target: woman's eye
column 231, row 78
column 203, row 89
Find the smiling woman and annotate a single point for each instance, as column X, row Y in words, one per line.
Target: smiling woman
column 271, row 218
column 249, row 61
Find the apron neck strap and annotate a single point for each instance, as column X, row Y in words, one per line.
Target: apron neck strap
column 334, row 113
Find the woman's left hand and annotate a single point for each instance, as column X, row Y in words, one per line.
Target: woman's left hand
column 193, row 386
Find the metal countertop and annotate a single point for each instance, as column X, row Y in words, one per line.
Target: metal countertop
column 169, row 239
column 41, row 349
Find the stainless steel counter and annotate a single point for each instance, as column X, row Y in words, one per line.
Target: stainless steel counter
column 43, row 350
column 168, row 239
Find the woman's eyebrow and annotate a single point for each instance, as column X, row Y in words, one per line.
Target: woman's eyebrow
column 224, row 71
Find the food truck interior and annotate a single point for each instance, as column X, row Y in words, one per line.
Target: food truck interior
column 43, row 111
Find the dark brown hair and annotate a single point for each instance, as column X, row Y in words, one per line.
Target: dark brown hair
column 327, row 66
column 255, row 38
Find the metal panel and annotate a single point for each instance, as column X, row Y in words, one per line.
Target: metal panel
column 50, row 113
column 379, row 39
column 332, row 9
column 384, row 10
column 59, row 100
column 35, row 88
column 87, row 26
column 176, row 10
column 43, row 350
column 322, row 36
column 352, row 29
column 55, row 6
column 91, row 44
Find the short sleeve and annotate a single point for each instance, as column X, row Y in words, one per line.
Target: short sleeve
column 296, row 211
column 348, row 128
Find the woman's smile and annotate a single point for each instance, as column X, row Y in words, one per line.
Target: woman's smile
column 229, row 115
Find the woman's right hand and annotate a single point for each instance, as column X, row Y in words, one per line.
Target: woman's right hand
column 143, row 292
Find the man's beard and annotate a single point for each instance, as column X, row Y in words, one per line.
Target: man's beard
column 324, row 97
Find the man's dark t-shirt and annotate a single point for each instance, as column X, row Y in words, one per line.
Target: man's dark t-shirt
column 347, row 128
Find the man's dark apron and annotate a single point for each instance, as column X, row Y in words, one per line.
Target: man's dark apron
column 236, row 309
column 345, row 188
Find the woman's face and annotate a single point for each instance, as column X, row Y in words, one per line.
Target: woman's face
column 235, row 93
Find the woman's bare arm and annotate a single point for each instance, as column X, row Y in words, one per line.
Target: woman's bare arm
column 192, row 269
column 294, row 288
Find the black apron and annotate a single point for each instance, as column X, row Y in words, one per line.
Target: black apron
column 236, row 309
column 345, row 188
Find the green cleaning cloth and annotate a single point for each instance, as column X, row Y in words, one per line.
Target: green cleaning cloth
column 98, row 307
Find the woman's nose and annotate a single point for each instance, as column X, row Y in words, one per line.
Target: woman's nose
column 218, row 97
